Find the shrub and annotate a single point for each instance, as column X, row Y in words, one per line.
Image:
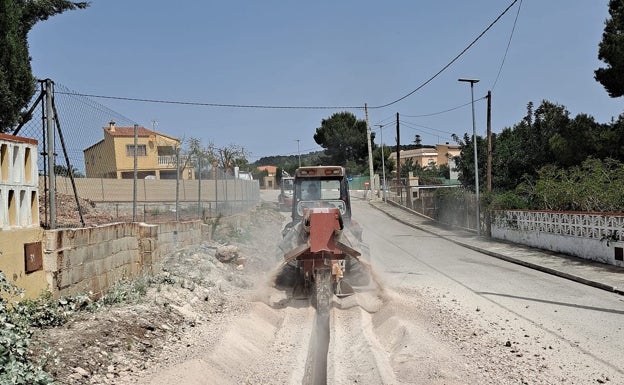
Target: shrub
column 15, row 334
column 18, row 319
column 509, row 200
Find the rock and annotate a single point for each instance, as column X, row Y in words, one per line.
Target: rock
column 186, row 311
column 81, row 371
column 189, row 285
column 278, row 299
column 227, row 253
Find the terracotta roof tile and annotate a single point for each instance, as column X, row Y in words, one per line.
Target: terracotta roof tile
column 270, row 169
column 129, row 131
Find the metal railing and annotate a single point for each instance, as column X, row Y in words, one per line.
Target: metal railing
column 167, row 160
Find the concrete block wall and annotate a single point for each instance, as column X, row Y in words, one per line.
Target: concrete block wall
column 91, row 260
column 19, row 192
column 173, row 236
column 160, row 190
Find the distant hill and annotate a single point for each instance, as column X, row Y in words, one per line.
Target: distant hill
column 290, row 162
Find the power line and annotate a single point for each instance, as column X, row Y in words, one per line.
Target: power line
column 258, row 106
column 283, row 107
column 413, row 125
column 391, row 117
column 449, row 63
column 91, row 103
column 442, row 112
column 500, row 69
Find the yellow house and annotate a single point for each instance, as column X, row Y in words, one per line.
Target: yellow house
column 113, row 157
column 442, row 154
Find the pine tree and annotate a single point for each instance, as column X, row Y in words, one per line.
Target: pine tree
column 17, row 83
column 611, row 51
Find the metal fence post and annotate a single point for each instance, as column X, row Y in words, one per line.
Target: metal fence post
column 177, row 201
column 134, row 174
column 51, row 154
column 199, row 205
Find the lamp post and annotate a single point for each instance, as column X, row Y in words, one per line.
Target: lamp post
column 474, row 141
column 298, row 152
column 383, row 162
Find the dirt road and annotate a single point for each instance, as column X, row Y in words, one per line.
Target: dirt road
column 208, row 322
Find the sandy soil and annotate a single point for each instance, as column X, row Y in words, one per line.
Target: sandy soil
column 207, row 322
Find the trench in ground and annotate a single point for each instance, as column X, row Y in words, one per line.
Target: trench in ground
column 316, row 365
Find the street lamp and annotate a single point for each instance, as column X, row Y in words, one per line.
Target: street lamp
column 298, row 153
column 474, row 141
column 383, row 163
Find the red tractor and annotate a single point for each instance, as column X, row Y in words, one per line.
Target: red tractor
column 318, row 243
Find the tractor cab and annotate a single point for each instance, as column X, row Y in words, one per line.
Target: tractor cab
column 320, row 186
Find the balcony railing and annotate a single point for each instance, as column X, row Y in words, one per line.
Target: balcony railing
column 167, row 160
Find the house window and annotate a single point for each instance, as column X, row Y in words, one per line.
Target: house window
column 141, row 150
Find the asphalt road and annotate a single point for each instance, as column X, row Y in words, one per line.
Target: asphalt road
column 583, row 322
column 572, row 331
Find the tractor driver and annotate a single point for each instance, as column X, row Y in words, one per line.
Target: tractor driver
column 311, row 192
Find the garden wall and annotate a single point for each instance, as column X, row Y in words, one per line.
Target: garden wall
column 79, row 261
column 593, row 236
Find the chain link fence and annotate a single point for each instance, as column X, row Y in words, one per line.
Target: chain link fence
column 121, row 170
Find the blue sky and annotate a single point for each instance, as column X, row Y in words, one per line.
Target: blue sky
column 324, row 53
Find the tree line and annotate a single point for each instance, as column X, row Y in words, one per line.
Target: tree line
column 552, row 161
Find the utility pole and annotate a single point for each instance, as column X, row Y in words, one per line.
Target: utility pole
column 476, row 162
column 370, row 153
column 398, row 138
column 51, row 153
column 383, row 163
column 298, row 153
column 489, row 141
